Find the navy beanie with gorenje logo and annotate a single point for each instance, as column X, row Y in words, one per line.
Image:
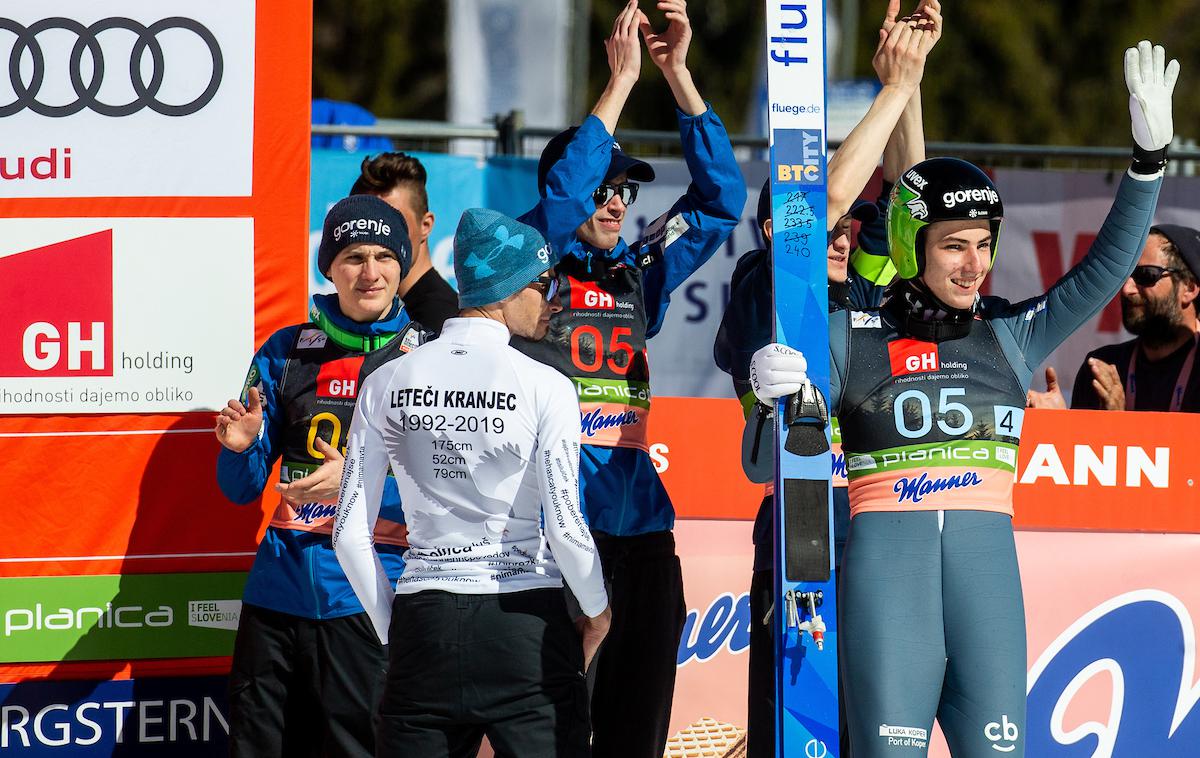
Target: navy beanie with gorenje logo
column 363, row 218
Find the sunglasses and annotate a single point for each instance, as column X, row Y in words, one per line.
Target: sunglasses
column 547, row 284
column 1148, row 276
column 606, row 192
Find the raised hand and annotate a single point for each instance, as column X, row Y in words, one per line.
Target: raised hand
column 1151, row 82
column 237, row 424
column 623, row 47
column 926, row 17
column 899, row 59
column 668, row 49
column 322, row 485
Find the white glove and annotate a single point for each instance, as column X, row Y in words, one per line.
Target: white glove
column 1150, row 81
column 777, row 370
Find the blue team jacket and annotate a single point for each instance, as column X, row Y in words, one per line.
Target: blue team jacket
column 297, row 572
column 621, row 492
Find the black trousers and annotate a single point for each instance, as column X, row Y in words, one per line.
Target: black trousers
column 303, row 687
column 635, row 669
column 760, row 706
column 509, row 666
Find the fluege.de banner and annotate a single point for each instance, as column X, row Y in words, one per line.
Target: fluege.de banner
column 157, row 322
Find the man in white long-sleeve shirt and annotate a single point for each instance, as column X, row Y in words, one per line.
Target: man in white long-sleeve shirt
column 484, row 444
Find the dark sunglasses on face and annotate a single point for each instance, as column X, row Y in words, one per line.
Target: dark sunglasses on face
column 1148, row 276
column 606, row 192
column 547, row 284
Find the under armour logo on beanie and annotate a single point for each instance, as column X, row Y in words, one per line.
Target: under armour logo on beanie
column 363, row 219
column 495, row 256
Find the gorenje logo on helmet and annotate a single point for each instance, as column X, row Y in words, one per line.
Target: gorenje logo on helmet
column 983, row 195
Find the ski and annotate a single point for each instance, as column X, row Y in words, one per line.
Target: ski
column 805, row 621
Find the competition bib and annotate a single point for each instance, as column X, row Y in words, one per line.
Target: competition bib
column 599, row 342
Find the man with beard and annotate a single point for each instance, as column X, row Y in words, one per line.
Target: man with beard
column 1153, row 372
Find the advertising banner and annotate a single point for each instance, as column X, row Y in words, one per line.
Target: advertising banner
column 117, row 618
column 153, row 191
column 1111, row 631
column 176, row 717
column 125, row 342
column 1099, row 470
column 110, row 98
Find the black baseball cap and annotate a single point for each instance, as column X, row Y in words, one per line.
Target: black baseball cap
column 637, row 170
column 1186, row 240
column 861, row 210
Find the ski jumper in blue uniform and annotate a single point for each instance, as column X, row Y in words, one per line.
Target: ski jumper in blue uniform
column 307, row 667
column 306, row 654
column 613, row 302
column 930, row 412
column 746, row 326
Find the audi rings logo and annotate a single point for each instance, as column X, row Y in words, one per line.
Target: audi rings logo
column 87, row 84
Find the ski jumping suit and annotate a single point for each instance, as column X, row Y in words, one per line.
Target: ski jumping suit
column 485, row 445
column 307, row 667
column 746, row 326
column 613, row 301
column 933, row 619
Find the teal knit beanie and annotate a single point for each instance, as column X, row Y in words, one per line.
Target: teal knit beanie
column 495, row 256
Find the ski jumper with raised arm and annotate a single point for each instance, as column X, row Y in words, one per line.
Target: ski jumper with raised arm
column 932, row 614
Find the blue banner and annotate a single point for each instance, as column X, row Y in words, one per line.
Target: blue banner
column 176, row 717
column 456, row 183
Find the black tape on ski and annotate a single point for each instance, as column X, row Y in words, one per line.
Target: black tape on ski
column 806, row 417
column 806, row 529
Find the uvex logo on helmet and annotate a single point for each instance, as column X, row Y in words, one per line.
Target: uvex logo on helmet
column 69, row 334
column 361, row 225
column 982, row 195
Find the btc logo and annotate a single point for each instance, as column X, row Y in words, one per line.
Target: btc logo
column 799, row 172
column 60, row 330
